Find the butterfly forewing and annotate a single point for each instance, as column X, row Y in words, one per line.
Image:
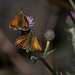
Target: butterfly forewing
column 25, row 23
column 35, row 44
column 20, row 41
column 14, row 23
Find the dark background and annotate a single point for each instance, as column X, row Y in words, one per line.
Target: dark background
column 47, row 14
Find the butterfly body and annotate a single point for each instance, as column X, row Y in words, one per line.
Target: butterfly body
column 25, row 32
column 20, row 22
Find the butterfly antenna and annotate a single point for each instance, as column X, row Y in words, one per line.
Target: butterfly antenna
column 21, row 9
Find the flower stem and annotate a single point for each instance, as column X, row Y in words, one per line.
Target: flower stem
column 47, row 46
column 48, row 66
column 72, row 3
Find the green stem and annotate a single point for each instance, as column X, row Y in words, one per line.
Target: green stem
column 47, row 46
column 72, row 3
column 48, row 66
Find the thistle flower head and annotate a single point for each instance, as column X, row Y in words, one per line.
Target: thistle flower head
column 30, row 21
column 49, row 35
column 70, row 18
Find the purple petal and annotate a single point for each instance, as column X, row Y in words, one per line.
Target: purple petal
column 30, row 21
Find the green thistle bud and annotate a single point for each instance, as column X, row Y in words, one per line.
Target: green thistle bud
column 49, row 35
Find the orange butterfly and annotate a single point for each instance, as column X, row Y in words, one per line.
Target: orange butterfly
column 20, row 22
column 28, row 42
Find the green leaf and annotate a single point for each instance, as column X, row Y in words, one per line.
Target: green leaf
column 49, row 53
column 69, row 73
column 71, row 41
column 67, row 30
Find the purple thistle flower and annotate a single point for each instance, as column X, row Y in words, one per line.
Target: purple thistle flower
column 30, row 21
column 49, row 35
column 73, row 14
column 69, row 20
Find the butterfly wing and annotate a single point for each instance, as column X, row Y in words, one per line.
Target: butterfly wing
column 35, row 44
column 20, row 42
column 20, row 22
column 13, row 24
column 25, row 23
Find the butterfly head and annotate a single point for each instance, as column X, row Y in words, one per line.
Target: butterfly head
column 21, row 14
